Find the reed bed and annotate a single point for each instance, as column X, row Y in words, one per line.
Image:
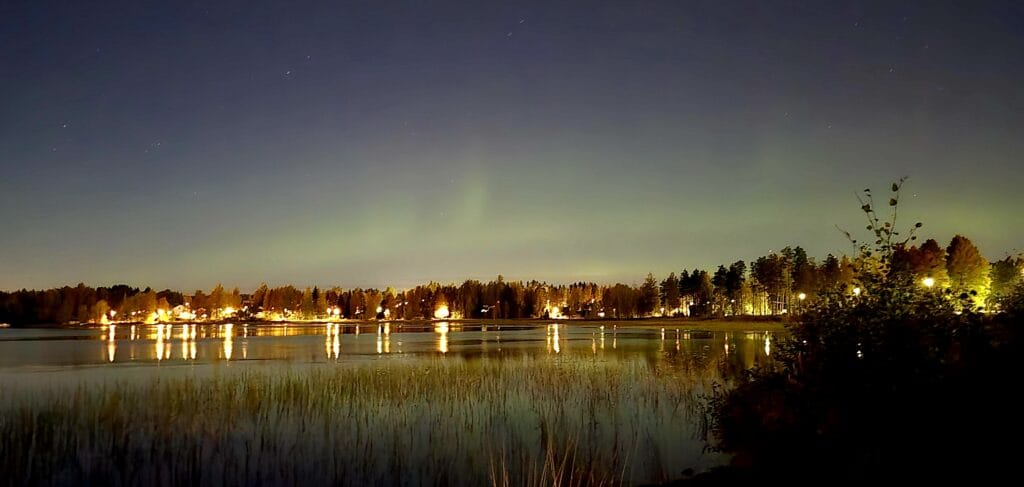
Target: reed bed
column 528, row 421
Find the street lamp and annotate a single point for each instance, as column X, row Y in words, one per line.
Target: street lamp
column 856, row 291
column 801, row 296
column 928, row 282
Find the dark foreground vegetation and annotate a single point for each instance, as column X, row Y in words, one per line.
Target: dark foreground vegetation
column 902, row 381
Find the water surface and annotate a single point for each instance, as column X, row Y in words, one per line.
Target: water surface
column 506, row 395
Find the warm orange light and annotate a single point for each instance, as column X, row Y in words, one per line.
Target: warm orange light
column 228, row 344
column 928, row 282
column 441, row 312
column 442, row 340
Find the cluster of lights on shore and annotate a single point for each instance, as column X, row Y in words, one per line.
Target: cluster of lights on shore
column 163, row 333
column 179, row 313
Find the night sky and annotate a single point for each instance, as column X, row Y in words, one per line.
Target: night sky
column 178, row 144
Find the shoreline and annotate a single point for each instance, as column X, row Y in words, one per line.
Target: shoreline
column 747, row 323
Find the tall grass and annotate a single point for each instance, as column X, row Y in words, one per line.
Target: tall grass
column 529, row 421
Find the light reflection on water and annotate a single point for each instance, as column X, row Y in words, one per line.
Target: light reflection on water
column 202, row 343
column 442, row 336
column 228, row 345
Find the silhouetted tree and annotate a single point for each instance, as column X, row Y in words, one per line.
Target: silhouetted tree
column 648, row 299
column 670, row 293
column 968, row 270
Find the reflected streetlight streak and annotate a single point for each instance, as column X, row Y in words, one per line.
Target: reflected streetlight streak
column 160, row 349
column 442, row 341
column 558, row 347
column 111, row 344
column 228, row 342
column 332, row 344
column 336, row 346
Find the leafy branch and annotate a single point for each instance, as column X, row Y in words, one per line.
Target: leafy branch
column 887, row 239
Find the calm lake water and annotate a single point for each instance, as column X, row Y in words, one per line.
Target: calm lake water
column 71, row 350
column 649, row 418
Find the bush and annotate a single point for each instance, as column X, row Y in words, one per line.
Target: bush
column 899, row 379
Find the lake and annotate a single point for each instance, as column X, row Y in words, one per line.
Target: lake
column 395, row 403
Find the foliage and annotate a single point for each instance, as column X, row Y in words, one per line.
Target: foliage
column 899, row 376
column 1007, row 275
column 649, row 299
column 968, row 271
column 670, row 293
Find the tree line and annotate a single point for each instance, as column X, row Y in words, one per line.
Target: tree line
column 778, row 283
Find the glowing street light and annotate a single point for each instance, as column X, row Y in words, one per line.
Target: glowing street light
column 801, row 296
column 928, row 282
column 856, row 291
